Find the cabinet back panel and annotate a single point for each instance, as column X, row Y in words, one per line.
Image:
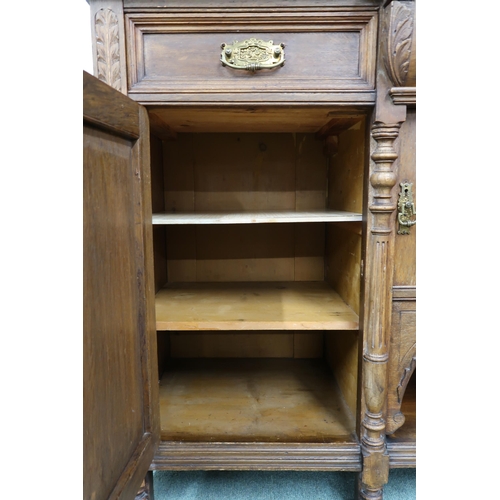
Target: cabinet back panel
column 311, row 172
column 254, row 252
column 309, row 262
column 231, row 345
column 210, row 172
column 246, row 345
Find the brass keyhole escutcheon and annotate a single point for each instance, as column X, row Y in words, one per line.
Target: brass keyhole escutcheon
column 406, row 208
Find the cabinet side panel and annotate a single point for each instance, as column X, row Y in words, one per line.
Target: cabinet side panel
column 345, row 192
column 404, row 258
column 343, row 263
column 158, row 205
column 341, row 350
column 345, row 183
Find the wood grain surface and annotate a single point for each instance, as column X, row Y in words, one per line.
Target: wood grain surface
column 252, row 306
column 266, row 400
column 267, row 217
column 120, row 398
column 174, row 54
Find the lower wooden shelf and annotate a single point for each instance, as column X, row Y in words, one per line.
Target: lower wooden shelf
column 253, row 400
column 292, row 305
column 254, row 414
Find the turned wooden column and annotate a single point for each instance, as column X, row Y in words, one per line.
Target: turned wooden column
column 378, row 300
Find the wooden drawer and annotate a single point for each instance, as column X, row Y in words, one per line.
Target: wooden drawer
column 174, row 56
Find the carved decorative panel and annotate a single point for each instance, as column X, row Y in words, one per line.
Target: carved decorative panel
column 108, row 48
column 398, row 32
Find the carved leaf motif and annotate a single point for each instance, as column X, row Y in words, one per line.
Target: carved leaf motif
column 399, row 43
column 108, row 48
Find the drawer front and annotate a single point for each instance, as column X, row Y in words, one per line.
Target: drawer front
column 176, row 56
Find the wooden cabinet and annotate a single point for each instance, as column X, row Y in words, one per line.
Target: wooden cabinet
column 248, row 217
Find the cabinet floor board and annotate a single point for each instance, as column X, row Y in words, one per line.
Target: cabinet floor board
column 253, row 400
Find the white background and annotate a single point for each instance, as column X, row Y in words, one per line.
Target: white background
column 86, row 41
column 45, row 46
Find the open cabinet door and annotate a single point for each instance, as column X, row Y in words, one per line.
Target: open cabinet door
column 121, row 406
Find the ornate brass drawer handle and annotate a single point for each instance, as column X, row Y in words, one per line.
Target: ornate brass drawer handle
column 406, row 208
column 252, row 55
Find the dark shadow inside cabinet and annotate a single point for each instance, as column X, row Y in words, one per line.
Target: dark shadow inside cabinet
column 257, row 230
column 407, row 433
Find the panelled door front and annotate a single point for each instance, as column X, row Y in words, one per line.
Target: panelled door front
column 121, row 413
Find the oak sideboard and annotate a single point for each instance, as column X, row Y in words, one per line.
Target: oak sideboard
column 249, row 240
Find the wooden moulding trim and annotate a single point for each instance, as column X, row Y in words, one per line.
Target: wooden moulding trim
column 400, row 293
column 402, row 455
column 183, row 5
column 362, row 98
column 404, row 95
column 257, row 456
column 229, row 18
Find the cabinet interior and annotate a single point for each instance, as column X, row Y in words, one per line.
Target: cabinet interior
column 408, row 431
column 257, row 231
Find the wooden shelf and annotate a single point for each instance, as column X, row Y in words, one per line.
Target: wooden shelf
column 253, row 400
column 255, row 217
column 292, row 305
